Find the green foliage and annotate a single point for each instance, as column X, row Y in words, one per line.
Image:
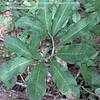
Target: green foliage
column 12, row 68
column 86, row 71
column 77, row 53
column 45, row 15
column 36, row 83
column 64, row 80
column 96, row 29
column 62, row 15
column 84, row 24
column 17, row 46
column 2, row 6
column 53, row 23
column 96, row 80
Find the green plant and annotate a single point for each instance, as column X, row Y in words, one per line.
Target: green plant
column 45, row 39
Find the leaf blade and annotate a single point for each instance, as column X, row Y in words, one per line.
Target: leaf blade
column 11, row 69
column 84, row 24
column 64, row 80
column 36, row 83
column 62, row 14
column 17, row 46
column 45, row 14
column 77, row 53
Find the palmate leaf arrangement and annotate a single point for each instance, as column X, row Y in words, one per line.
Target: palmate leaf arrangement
column 47, row 36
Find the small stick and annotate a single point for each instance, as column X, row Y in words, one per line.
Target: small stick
column 22, row 78
column 77, row 75
column 53, row 47
column 89, row 91
column 21, row 84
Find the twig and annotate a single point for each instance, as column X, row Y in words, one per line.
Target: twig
column 89, row 91
column 28, row 70
column 77, row 75
column 22, row 78
column 53, row 47
column 21, row 84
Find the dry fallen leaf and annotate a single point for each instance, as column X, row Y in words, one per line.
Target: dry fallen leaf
column 5, row 23
column 2, row 31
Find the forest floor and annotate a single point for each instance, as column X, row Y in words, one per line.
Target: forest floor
column 17, row 92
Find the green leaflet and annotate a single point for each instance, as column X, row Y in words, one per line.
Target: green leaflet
column 36, row 83
column 24, row 22
column 97, row 5
column 96, row 29
column 92, row 5
column 89, row 5
column 75, row 29
column 34, row 26
column 64, row 80
column 38, row 33
column 17, row 46
column 11, row 69
column 35, row 40
column 34, row 44
column 27, row 23
column 96, row 79
column 45, row 14
column 89, row 75
column 63, row 13
column 86, row 72
column 2, row 7
column 77, row 53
